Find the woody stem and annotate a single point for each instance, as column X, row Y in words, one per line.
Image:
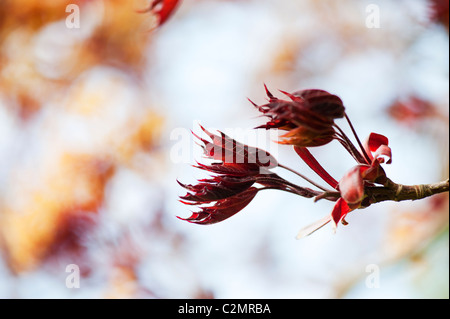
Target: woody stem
column 398, row 192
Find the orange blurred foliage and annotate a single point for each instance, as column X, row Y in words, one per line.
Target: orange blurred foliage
column 45, row 217
column 40, row 55
column 45, row 65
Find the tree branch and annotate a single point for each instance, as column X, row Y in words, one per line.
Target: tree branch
column 398, row 192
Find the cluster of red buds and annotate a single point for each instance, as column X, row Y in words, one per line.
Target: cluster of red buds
column 308, row 117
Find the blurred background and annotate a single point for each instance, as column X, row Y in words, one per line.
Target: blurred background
column 94, row 133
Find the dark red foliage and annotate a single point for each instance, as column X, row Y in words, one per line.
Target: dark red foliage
column 308, row 116
column 216, row 188
column 223, row 209
column 238, row 173
column 234, row 154
column 242, row 171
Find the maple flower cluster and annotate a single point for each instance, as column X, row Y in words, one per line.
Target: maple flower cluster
column 241, row 171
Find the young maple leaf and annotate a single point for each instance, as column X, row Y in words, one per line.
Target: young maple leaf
column 308, row 116
column 242, row 171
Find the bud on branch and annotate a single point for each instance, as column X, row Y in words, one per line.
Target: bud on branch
column 309, row 119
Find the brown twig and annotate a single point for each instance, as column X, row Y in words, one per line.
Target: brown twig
column 392, row 191
column 398, row 192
